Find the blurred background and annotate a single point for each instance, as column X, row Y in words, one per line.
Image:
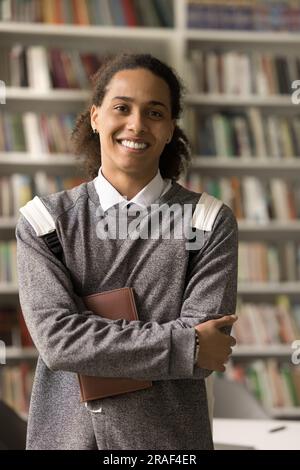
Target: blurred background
column 240, row 62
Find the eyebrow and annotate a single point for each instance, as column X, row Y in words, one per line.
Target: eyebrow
column 127, row 98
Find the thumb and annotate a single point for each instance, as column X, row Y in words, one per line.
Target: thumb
column 225, row 321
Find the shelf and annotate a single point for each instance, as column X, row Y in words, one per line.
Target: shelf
column 24, row 158
column 85, row 32
column 7, row 223
column 99, row 39
column 285, row 412
column 211, row 99
column 31, row 94
column 274, row 230
column 27, row 163
column 212, row 36
column 7, row 229
column 207, row 99
column 242, row 166
column 253, row 351
column 243, row 288
column 8, row 289
column 233, row 101
column 53, row 100
column 15, row 353
column 289, row 226
column 273, row 288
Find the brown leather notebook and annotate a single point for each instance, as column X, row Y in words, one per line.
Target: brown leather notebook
column 114, row 304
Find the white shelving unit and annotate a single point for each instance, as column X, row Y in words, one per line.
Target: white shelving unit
column 233, row 101
column 263, row 166
column 162, row 42
column 171, row 45
column 8, row 289
column 279, row 351
column 14, row 353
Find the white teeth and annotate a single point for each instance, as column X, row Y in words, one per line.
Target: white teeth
column 133, row 145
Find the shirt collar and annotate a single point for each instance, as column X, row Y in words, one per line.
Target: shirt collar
column 109, row 196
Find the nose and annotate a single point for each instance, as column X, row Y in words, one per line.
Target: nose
column 136, row 123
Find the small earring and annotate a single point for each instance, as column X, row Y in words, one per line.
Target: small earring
column 95, row 130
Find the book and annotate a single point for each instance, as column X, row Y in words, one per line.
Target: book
column 115, row 304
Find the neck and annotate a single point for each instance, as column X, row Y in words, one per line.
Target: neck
column 129, row 185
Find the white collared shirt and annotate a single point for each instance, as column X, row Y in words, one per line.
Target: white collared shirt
column 109, row 196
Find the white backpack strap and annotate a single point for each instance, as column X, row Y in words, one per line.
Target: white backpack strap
column 38, row 216
column 206, row 212
column 204, row 216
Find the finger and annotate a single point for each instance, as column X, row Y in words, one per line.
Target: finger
column 225, row 321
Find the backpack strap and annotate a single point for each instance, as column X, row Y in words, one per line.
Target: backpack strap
column 43, row 223
column 206, row 211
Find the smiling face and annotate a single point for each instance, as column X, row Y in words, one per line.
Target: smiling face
column 134, row 122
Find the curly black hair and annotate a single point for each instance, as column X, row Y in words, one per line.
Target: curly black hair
column 176, row 154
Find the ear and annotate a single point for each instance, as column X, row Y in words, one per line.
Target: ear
column 94, row 116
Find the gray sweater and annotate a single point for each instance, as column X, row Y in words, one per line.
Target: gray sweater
column 174, row 291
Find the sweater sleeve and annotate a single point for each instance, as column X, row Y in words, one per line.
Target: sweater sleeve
column 211, row 287
column 69, row 337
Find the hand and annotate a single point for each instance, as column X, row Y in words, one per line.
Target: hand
column 215, row 346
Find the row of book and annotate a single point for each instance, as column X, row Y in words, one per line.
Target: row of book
column 274, row 384
column 46, row 68
column 258, row 15
column 8, row 262
column 13, row 329
column 15, row 386
column 258, row 324
column 155, row 13
column 251, row 198
column 268, row 262
column 242, row 73
column 230, row 72
column 36, row 133
column 17, row 189
column 250, row 133
column 258, row 262
column 225, row 134
column 267, row 324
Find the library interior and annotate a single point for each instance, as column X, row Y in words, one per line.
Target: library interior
column 240, row 63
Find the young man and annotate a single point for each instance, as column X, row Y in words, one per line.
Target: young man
column 130, row 132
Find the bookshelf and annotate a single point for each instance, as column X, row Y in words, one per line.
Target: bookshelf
column 257, row 165
column 173, row 45
column 95, row 39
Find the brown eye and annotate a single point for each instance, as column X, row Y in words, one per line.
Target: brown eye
column 121, row 108
column 155, row 114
